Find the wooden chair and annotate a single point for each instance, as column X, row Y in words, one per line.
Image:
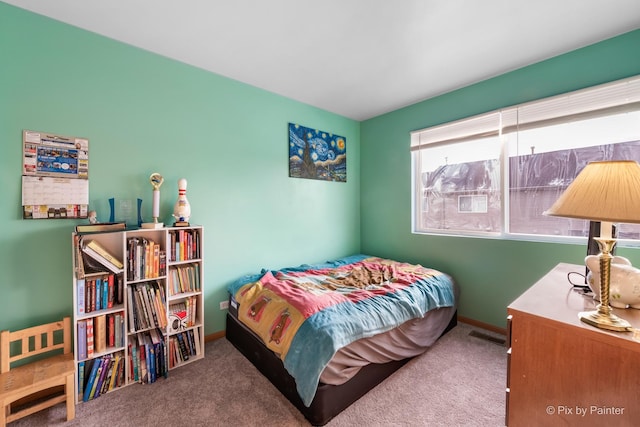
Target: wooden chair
column 36, row 381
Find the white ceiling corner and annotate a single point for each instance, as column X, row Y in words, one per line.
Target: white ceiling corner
column 356, row 58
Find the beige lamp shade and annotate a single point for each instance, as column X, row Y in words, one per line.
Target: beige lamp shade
column 603, row 191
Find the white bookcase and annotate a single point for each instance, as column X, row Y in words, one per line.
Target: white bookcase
column 138, row 319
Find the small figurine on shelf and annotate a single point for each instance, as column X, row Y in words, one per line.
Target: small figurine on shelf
column 93, row 217
column 182, row 208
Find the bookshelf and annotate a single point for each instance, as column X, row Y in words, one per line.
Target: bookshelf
column 138, row 306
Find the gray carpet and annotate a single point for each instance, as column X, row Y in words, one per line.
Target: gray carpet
column 460, row 381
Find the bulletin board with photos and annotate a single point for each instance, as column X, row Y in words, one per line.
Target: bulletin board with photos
column 55, row 176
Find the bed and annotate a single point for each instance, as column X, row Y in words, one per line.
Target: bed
column 325, row 334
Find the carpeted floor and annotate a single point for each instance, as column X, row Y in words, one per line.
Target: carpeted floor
column 460, row 381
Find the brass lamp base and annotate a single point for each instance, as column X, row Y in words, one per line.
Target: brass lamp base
column 609, row 321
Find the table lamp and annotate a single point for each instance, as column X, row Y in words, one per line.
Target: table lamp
column 609, row 192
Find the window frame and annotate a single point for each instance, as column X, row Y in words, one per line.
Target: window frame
column 577, row 105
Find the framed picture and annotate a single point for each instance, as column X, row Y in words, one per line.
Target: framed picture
column 316, row 154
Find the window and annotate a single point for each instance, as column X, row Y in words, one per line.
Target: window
column 472, row 204
column 496, row 173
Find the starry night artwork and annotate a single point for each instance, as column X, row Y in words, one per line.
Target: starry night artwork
column 316, row 154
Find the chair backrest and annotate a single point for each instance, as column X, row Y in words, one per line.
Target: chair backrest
column 34, row 341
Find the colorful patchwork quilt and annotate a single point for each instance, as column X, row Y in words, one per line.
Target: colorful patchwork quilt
column 305, row 314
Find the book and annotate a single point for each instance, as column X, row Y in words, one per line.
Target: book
column 114, row 373
column 104, row 385
column 119, row 289
column 92, row 291
column 88, row 366
column 133, row 322
column 81, row 291
column 106, row 361
column 142, row 360
column 151, row 359
column 156, row 260
column 120, row 373
column 118, row 330
column 77, row 257
column 98, row 293
column 96, row 379
column 135, row 362
column 101, row 227
column 82, row 339
column 97, row 247
column 105, row 293
column 184, row 352
column 100, row 333
column 110, row 290
column 105, row 262
column 91, row 266
column 187, row 339
column 81, row 379
column 111, row 333
column 177, row 317
column 103, row 253
column 91, row 381
column 196, row 338
column 158, row 346
column 90, row 347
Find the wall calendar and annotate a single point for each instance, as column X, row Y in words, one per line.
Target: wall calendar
column 55, row 176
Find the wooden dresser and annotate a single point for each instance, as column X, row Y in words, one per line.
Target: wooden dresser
column 562, row 371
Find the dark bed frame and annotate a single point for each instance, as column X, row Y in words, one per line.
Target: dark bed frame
column 329, row 400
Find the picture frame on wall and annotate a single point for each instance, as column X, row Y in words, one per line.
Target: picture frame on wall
column 317, row 154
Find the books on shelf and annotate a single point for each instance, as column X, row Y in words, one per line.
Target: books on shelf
column 148, row 360
column 145, row 259
column 182, row 314
column 182, row 346
column 100, row 334
column 100, row 254
column 184, row 278
column 100, row 375
column 184, row 245
column 99, row 292
column 146, row 302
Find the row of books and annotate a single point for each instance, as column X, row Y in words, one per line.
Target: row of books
column 146, row 304
column 96, row 334
column 184, row 278
column 100, row 375
column 182, row 314
column 184, row 245
column 92, row 258
column 182, row 346
column 147, row 357
column 146, row 259
column 99, row 292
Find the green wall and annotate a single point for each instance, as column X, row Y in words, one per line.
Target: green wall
column 144, row 113
column 491, row 273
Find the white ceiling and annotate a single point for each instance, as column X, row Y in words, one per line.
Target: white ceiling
column 356, row 58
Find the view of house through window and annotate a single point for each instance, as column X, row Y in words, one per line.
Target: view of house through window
column 495, row 174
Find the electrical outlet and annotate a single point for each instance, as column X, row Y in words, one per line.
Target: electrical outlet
column 224, row 305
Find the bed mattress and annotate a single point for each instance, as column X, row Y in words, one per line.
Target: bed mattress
column 329, row 399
